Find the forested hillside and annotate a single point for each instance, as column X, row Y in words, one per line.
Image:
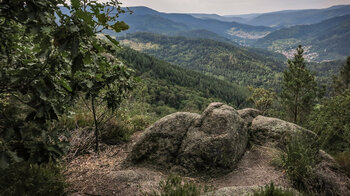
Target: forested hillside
column 225, row 61
column 326, row 40
column 179, row 88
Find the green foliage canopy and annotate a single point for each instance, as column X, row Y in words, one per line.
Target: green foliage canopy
column 48, row 58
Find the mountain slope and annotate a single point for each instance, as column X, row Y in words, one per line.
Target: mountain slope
column 203, row 34
column 225, row 61
column 232, row 30
column 179, row 88
column 299, row 17
column 327, row 40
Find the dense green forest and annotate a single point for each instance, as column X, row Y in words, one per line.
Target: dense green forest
column 245, row 66
column 179, row 88
column 222, row 60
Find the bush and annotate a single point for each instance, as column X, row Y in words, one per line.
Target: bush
column 272, row 190
column 298, row 161
column 331, row 121
column 343, row 160
column 113, row 132
column 32, row 179
column 176, row 186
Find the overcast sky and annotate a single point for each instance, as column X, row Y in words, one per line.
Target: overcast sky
column 231, row 7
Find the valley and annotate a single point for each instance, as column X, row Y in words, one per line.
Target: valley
column 174, row 98
column 323, row 32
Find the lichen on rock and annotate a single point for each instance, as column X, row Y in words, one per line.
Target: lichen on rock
column 191, row 143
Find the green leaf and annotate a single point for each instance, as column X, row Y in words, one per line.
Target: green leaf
column 120, row 26
column 115, row 42
column 75, row 4
column 102, row 19
column 66, row 85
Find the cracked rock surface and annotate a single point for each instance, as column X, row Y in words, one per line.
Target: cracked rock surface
column 190, row 143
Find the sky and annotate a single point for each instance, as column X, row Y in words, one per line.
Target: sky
column 231, row 7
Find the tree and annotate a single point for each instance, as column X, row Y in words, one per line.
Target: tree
column 331, row 121
column 262, row 98
column 48, row 57
column 299, row 88
column 342, row 81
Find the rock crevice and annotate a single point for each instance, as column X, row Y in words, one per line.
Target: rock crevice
column 190, row 143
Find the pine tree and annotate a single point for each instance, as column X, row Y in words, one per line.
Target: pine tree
column 299, row 88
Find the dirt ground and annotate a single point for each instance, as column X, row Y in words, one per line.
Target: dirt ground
column 104, row 173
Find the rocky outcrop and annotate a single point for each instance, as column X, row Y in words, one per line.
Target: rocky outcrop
column 190, row 143
column 161, row 142
column 330, row 177
column 215, row 142
column 274, row 132
column 248, row 114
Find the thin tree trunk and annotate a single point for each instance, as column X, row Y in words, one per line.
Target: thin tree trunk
column 96, row 123
column 296, row 107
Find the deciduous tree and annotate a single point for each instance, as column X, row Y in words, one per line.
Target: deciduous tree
column 50, row 54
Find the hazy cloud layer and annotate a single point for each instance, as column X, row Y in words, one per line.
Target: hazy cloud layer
column 231, row 7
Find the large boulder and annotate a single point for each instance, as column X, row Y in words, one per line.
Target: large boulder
column 212, row 142
column 274, row 132
column 160, row 143
column 215, row 142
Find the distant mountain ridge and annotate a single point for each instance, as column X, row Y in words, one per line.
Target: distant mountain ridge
column 284, row 18
column 327, row 40
column 323, row 40
column 299, row 17
column 149, row 20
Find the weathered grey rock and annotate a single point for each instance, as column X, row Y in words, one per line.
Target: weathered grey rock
column 212, row 142
column 161, row 142
column 216, row 141
column 274, row 132
column 330, row 177
column 248, row 114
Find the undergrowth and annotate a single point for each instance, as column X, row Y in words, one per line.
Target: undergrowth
column 298, row 160
column 32, row 179
column 176, row 186
column 272, row 190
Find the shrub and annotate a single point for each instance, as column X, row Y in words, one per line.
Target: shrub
column 272, row 190
column 298, row 161
column 176, row 186
column 331, row 121
column 113, row 132
column 32, row 179
column 140, row 122
column 343, row 160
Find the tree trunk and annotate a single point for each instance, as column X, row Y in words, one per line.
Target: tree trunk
column 96, row 124
column 296, row 100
